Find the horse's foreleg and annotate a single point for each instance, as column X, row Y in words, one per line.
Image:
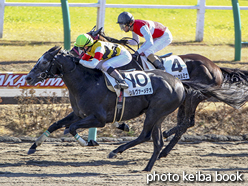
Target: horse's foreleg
column 158, row 145
column 87, row 122
column 57, row 125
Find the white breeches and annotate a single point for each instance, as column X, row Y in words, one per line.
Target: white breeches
column 159, row 43
column 123, row 59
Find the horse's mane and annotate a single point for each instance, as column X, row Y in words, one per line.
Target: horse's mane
column 88, row 73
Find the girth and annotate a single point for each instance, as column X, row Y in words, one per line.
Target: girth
column 120, row 102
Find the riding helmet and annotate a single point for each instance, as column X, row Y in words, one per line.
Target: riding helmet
column 125, row 18
column 83, row 40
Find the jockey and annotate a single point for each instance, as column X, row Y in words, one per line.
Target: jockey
column 106, row 57
column 157, row 36
column 76, row 51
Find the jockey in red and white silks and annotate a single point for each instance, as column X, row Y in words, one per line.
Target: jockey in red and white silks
column 157, row 36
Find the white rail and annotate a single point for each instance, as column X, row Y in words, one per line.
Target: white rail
column 101, row 5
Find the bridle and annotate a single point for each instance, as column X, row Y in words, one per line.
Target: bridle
column 48, row 72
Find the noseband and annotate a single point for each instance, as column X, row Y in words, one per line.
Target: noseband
column 48, row 74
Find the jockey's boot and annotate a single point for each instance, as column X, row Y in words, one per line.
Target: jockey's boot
column 158, row 64
column 119, row 79
column 156, row 61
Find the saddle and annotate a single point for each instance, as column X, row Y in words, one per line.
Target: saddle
column 108, row 83
column 120, row 100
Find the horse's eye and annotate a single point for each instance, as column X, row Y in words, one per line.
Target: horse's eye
column 44, row 62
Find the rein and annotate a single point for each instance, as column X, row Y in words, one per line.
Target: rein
column 48, row 74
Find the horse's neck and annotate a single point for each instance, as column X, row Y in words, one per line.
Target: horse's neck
column 81, row 78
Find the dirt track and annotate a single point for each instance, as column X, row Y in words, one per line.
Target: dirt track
column 67, row 163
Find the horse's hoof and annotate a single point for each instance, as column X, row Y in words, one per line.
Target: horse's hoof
column 31, row 151
column 146, row 170
column 66, row 131
column 92, row 143
column 162, row 155
column 112, row 155
column 165, row 134
column 124, row 127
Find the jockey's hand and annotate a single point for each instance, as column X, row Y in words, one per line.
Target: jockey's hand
column 123, row 41
column 76, row 60
column 136, row 56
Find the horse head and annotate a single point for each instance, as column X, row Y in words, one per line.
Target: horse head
column 47, row 66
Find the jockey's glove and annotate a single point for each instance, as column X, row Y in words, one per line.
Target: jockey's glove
column 136, row 56
column 123, row 41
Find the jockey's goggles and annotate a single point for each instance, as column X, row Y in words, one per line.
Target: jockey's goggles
column 122, row 26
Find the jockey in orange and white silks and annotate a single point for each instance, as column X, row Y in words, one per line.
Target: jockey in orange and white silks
column 106, row 57
column 157, row 36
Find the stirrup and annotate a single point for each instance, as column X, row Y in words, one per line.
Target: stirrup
column 122, row 84
column 158, row 64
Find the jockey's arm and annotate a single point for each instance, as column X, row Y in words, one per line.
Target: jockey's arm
column 75, row 51
column 94, row 62
column 135, row 37
column 148, row 37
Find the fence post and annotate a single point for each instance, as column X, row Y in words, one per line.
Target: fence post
column 200, row 20
column 2, row 5
column 101, row 13
column 67, row 25
column 237, row 28
column 100, row 23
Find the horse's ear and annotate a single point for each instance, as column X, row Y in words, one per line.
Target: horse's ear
column 53, row 48
column 55, row 51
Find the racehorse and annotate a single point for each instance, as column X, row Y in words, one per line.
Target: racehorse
column 93, row 104
column 225, row 84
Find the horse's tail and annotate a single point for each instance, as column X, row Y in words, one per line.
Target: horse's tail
column 233, row 91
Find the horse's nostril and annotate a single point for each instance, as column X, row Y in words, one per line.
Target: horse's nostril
column 28, row 78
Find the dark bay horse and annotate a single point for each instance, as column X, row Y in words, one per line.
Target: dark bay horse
column 225, row 84
column 94, row 105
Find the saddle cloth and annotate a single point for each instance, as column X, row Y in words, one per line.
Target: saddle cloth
column 175, row 66
column 138, row 81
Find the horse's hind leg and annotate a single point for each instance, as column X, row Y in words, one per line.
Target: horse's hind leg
column 158, row 145
column 181, row 113
column 145, row 135
column 186, row 119
column 55, row 126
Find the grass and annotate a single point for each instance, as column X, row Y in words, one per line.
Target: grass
column 46, row 24
column 30, row 31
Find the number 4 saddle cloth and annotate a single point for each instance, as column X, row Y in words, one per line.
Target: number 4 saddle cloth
column 138, row 81
column 175, row 66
